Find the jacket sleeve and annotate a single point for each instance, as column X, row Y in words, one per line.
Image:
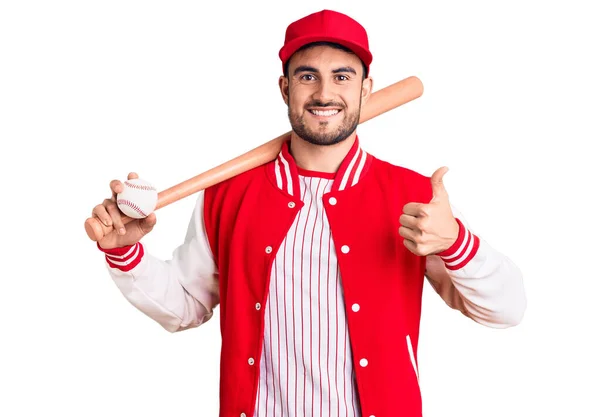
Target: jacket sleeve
column 474, row 278
column 179, row 293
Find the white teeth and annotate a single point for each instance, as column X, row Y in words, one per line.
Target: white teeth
column 325, row 112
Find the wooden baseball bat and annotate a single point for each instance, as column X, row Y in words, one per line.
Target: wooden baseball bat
column 380, row 102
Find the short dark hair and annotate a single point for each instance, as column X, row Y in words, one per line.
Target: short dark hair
column 323, row 43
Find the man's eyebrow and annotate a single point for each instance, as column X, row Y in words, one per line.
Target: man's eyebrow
column 303, row 68
column 307, row 68
column 344, row 69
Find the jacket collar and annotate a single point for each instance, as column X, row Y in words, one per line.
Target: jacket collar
column 286, row 173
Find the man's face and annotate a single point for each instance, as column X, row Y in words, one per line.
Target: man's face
column 323, row 91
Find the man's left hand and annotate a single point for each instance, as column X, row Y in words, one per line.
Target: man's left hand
column 430, row 228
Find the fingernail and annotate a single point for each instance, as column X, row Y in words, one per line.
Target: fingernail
column 122, row 230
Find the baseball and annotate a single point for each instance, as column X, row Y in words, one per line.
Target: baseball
column 138, row 198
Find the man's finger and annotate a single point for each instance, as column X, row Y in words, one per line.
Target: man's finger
column 411, row 246
column 116, row 187
column 408, row 221
column 101, row 214
column 437, row 184
column 115, row 215
column 147, row 223
column 407, row 233
column 415, row 209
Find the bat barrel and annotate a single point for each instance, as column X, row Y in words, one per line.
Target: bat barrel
column 392, row 96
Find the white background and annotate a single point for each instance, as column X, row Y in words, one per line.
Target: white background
column 90, row 91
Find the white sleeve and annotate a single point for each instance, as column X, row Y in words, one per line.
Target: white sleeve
column 180, row 293
column 479, row 281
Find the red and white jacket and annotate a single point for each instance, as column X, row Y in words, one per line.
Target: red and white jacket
column 320, row 302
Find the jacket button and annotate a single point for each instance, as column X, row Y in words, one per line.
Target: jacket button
column 251, row 361
column 364, row 362
column 257, row 306
column 355, row 307
column 268, row 249
column 291, row 204
column 345, row 249
column 244, row 415
column 332, row 201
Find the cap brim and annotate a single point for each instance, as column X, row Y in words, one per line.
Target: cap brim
column 286, row 52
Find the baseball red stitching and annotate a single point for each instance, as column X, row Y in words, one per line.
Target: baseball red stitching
column 133, row 206
column 140, row 187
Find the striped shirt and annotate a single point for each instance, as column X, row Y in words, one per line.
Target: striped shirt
column 306, row 362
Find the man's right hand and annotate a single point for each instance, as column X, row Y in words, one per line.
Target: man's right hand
column 108, row 213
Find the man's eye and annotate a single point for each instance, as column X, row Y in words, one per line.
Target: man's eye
column 307, row 77
column 342, row 78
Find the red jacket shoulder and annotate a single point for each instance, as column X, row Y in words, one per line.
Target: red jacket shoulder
column 236, row 182
column 416, row 184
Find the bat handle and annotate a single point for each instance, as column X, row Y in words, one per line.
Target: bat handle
column 96, row 230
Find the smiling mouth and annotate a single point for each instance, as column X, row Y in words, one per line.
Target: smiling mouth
column 324, row 113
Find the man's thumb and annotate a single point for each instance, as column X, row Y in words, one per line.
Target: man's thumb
column 437, row 184
column 147, row 223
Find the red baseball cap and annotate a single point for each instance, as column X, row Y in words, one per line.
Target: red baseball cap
column 328, row 26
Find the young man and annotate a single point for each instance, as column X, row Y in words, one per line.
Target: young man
column 318, row 258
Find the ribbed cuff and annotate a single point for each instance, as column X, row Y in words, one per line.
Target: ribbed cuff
column 462, row 251
column 125, row 258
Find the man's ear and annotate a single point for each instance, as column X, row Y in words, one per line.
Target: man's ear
column 284, row 87
column 366, row 90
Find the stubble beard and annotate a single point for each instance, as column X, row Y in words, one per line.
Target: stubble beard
column 323, row 138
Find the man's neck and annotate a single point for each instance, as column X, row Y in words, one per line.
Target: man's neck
column 320, row 158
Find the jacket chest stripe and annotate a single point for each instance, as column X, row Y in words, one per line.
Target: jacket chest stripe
column 285, row 172
column 278, row 174
column 360, row 167
column 348, row 171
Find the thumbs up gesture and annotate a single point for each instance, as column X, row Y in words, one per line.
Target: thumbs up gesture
column 430, row 228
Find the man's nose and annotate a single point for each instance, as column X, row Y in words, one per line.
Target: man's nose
column 324, row 92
